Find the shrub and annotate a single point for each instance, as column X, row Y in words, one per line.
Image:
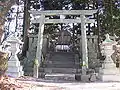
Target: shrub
column 3, row 63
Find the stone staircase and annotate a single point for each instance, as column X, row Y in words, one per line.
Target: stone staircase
column 60, row 63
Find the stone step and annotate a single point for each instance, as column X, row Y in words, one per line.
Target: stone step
column 54, row 71
column 41, row 69
column 62, row 58
column 62, row 65
column 59, row 62
column 64, row 53
column 59, row 70
column 60, row 76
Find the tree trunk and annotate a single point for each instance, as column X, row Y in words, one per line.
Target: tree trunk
column 25, row 28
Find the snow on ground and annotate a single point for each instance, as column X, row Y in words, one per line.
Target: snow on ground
column 41, row 84
column 29, row 83
column 76, row 86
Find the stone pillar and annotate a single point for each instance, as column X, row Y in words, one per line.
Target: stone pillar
column 84, row 42
column 14, row 67
column 108, row 71
column 39, row 46
column 84, row 76
column 40, row 39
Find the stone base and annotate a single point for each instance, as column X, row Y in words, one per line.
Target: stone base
column 15, row 74
column 14, row 69
column 89, row 77
column 110, row 78
column 109, row 74
column 13, row 63
column 78, row 77
column 110, row 71
column 93, row 77
column 85, row 78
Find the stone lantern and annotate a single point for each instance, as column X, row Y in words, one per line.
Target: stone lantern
column 14, row 67
column 108, row 71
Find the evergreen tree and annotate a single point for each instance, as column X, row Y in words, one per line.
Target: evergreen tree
column 26, row 25
column 110, row 17
column 109, row 13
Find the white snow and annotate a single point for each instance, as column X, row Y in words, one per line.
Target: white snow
column 73, row 85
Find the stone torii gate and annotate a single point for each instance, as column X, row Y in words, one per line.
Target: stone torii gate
column 83, row 20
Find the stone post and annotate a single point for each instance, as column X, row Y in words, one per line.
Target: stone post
column 84, row 76
column 14, row 67
column 84, row 43
column 39, row 47
column 108, row 71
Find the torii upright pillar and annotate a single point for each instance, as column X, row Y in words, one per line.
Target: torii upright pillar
column 84, row 45
column 39, row 47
